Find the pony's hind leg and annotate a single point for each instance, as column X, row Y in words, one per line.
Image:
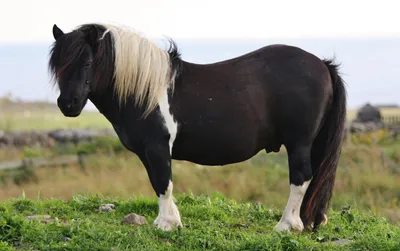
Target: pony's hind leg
column 300, row 174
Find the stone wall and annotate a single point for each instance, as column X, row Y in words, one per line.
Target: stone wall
column 51, row 137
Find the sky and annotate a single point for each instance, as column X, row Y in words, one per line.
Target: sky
column 364, row 35
column 30, row 21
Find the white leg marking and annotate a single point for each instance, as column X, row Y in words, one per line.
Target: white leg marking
column 170, row 124
column 291, row 216
column 168, row 216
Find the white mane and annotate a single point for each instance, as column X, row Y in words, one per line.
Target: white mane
column 141, row 68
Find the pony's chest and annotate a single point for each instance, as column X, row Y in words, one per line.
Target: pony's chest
column 127, row 139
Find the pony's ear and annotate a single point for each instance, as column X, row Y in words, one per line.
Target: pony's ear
column 57, row 32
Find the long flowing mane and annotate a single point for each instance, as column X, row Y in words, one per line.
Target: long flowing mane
column 142, row 69
column 137, row 66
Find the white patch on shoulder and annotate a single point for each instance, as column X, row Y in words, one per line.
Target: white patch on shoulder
column 168, row 216
column 170, row 124
column 291, row 216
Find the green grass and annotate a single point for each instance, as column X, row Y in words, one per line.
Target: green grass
column 210, row 223
column 47, row 120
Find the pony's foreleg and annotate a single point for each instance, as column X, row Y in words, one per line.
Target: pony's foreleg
column 157, row 161
column 300, row 175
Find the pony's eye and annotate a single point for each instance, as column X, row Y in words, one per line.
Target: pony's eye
column 87, row 82
column 88, row 64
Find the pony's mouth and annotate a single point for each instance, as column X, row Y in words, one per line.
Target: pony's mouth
column 71, row 109
column 71, row 114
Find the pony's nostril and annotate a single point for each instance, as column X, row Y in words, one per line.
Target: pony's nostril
column 74, row 101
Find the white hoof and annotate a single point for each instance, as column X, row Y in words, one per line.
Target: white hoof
column 168, row 217
column 167, row 223
column 291, row 224
column 324, row 220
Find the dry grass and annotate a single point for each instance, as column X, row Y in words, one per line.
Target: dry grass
column 126, row 176
column 388, row 111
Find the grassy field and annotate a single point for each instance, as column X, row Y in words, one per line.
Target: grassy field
column 46, row 120
column 209, row 223
column 367, row 182
column 50, row 118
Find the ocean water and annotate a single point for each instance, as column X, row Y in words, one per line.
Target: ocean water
column 369, row 66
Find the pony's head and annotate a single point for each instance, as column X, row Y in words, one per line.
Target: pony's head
column 73, row 62
column 93, row 57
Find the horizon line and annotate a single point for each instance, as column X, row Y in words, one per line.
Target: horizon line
column 11, row 96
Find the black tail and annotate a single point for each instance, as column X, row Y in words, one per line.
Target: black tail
column 325, row 154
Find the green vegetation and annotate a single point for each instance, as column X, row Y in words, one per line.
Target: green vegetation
column 211, row 223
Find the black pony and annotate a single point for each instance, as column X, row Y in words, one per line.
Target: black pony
column 164, row 108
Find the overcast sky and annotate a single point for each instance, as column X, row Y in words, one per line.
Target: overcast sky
column 31, row 20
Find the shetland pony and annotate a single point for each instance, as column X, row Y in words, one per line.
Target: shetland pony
column 165, row 108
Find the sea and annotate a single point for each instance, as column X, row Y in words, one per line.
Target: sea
column 369, row 66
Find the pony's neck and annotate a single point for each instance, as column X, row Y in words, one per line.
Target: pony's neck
column 106, row 103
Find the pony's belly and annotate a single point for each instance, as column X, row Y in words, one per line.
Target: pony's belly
column 215, row 151
column 219, row 136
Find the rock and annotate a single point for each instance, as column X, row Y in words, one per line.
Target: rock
column 67, row 239
column 76, row 135
column 44, row 218
column 365, row 126
column 107, row 208
column 134, row 219
column 341, row 242
column 50, row 138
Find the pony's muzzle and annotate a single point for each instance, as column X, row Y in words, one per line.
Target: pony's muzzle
column 69, row 107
